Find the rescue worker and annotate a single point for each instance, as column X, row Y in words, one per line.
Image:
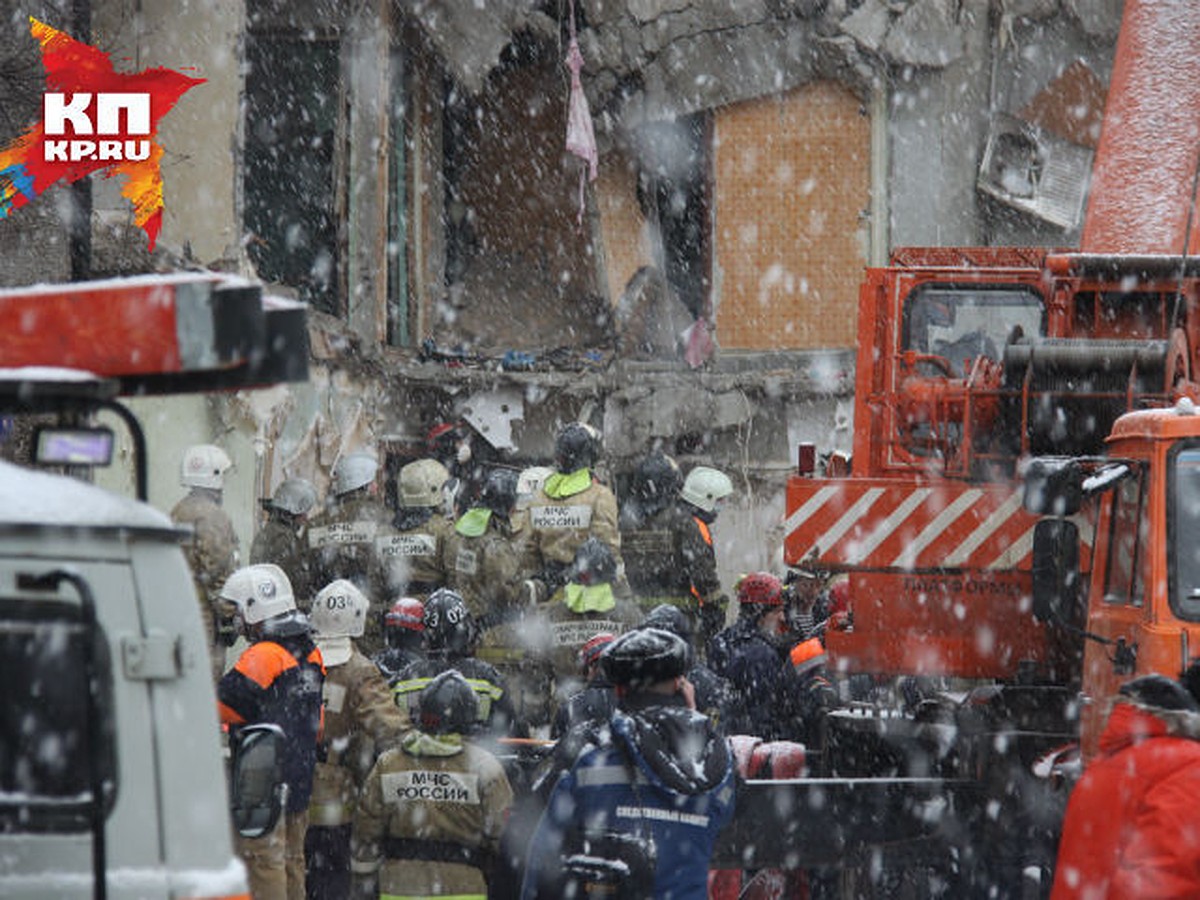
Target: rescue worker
column 283, row 538
column 1130, row 828
column 713, row 695
column 595, row 701
column 668, row 549
column 212, row 549
column 808, row 696
column 487, row 561
column 529, row 487
column 403, row 637
column 341, row 538
column 703, row 492
column 278, row 680
column 748, row 654
column 451, row 635
column 573, row 505
column 361, row 721
column 432, row 811
column 413, row 546
column 587, row 605
column 638, row 814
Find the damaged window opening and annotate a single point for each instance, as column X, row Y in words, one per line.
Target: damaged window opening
column 291, row 110
column 673, row 190
column 400, row 309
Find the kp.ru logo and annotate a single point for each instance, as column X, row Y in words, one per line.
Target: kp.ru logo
column 94, row 119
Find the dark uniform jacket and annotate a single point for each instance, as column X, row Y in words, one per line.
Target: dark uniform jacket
column 496, row 714
column 755, row 671
column 279, row 682
column 287, row 547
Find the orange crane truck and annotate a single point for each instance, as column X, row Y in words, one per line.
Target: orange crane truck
column 1015, row 525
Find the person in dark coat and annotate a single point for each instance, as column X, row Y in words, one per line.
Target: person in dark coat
column 277, row 680
column 403, row 638
column 451, row 636
column 283, row 538
column 713, row 695
column 1131, row 828
column 638, row 814
column 749, row 655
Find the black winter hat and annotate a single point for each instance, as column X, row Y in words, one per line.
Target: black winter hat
column 645, row 656
column 1160, row 691
column 1191, row 680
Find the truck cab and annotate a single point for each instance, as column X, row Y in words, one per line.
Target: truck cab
column 111, row 764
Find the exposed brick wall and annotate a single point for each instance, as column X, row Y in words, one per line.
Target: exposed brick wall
column 621, row 222
column 791, row 175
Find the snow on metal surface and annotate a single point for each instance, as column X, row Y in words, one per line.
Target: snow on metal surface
column 29, row 497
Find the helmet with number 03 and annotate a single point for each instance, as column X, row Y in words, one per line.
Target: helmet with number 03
column 448, row 704
column 204, row 466
column 260, row 592
column 705, row 487
column 449, row 625
column 420, row 483
column 577, row 446
column 339, row 610
column 353, row 471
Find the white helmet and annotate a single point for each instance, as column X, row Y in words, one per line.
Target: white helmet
column 421, row 482
column 295, row 495
column 339, row 610
column 352, row 471
column 529, row 482
column 704, row 486
column 261, row 591
column 204, row 466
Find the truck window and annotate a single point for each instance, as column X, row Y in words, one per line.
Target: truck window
column 45, row 760
column 1184, row 525
column 1128, row 530
column 961, row 323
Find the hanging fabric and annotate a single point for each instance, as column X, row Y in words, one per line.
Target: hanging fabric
column 581, row 139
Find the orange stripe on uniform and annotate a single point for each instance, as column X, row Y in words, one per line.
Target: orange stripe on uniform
column 263, row 662
column 704, row 532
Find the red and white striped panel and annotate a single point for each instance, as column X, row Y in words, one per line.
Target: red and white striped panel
column 879, row 524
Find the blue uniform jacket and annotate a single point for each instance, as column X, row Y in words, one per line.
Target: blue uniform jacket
column 684, row 795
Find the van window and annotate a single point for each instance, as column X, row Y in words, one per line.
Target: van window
column 45, row 758
column 1184, row 530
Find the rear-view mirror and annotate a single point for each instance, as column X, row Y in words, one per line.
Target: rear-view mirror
column 256, row 780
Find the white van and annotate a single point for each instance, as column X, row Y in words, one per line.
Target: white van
column 94, row 590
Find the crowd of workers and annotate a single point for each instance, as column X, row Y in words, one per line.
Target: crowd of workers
column 405, row 650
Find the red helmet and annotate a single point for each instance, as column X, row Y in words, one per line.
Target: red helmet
column 590, row 651
column 407, row 612
column 761, row 588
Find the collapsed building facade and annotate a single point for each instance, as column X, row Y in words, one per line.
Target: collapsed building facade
column 402, row 167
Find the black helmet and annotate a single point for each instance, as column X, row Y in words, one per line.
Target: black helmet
column 669, row 618
column 645, row 656
column 449, row 625
column 594, row 563
column 656, row 482
column 448, row 704
column 1159, row 691
column 499, row 492
column 576, row 447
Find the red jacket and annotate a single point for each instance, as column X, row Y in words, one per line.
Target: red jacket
column 1132, row 827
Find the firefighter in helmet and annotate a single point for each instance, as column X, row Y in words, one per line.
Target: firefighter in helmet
column 451, row 637
column 703, row 492
column 413, row 547
column 212, row 549
column 573, row 505
column 433, row 810
column 342, row 537
column 283, row 538
column 361, row 720
column 403, row 637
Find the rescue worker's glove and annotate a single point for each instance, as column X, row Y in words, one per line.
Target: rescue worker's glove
column 534, row 591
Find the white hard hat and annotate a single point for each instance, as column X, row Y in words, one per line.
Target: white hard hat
column 704, row 486
column 339, row 610
column 295, row 495
column 529, row 482
column 204, row 466
column 421, row 482
column 352, row 471
column 261, row 591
